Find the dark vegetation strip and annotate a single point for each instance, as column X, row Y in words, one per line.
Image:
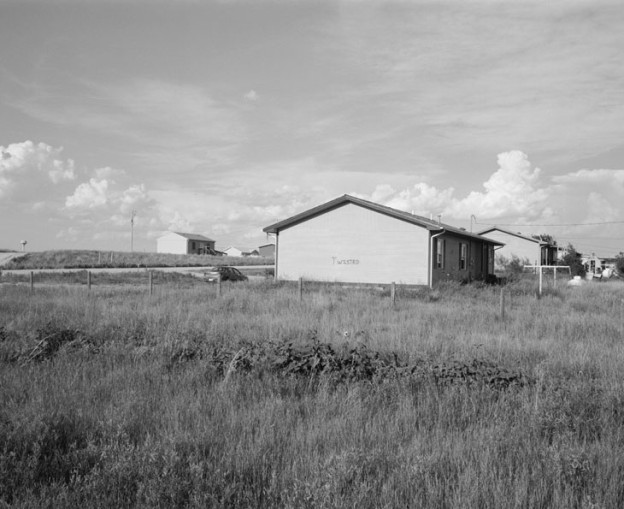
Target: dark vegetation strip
column 77, row 259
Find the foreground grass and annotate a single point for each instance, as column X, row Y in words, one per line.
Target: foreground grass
column 69, row 259
column 179, row 399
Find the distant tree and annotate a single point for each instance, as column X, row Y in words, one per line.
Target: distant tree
column 512, row 266
column 572, row 258
column 545, row 237
column 619, row 263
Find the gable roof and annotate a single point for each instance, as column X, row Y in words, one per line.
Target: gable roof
column 193, row 236
column 515, row 234
column 429, row 224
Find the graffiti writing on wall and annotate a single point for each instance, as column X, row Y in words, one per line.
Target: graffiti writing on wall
column 345, row 261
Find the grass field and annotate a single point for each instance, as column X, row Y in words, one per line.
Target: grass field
column 71, row 259
column 114, row 398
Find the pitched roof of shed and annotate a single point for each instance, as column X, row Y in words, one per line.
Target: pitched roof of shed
column 193, row 236
column 430, row 224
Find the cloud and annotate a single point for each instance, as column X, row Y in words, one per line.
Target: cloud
column 88, row 195
column 31, row 164
column 515, row 189
column 598, row 176
column 252, row 95
column 159, row 117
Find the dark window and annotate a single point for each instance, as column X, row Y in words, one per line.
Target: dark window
column 440, row 253
column 462, row 256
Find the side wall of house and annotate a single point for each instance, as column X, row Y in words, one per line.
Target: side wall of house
column 354, row 244
column 174, row 244
column 475, row 263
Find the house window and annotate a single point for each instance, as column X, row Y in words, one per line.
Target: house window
column 462, row 256
column 193, row 246
column 440, row 253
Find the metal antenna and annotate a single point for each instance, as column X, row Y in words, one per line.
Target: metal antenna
column 132, row 230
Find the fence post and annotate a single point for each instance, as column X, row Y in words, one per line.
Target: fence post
column 502, row 304
column 393, row 292
column 151, row 282
column 555, row 277
column 89, row 280
column 540, row 281
column 300, row 289
column 32, row 281
column 219, row 285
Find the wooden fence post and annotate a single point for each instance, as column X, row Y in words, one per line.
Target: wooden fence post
column 502, row 304
column 32, row 281
column 219, row 285
column 393, row 293
column 300, row 289
column 151, row 282
column 89, row 280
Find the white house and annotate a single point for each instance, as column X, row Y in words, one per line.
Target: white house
column 184, row 243
column 353, row 240
column 235, row 251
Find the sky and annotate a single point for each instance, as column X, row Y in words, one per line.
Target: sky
column 223, row 117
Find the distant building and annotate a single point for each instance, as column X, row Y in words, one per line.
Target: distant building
column 596, row 265
column 268, row 250
column 357, row 241
column 536, row 251
column 184, row 243
column 235, row 251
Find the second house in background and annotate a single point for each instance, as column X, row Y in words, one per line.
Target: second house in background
column 535, row 251
column 184, row 243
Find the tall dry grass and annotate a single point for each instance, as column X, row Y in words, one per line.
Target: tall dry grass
column 136, row 412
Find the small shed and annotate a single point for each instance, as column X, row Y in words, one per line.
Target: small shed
column 184, row 243
column 357, row 241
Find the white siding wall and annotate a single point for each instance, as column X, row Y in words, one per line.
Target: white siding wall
column 171, row 243
column 522, row 248
column 354, row 244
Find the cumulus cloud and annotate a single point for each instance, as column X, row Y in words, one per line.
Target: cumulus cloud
column 252, row 95
column 21, row 163
column 514, row 189
column 133, row 197
column 89, row 195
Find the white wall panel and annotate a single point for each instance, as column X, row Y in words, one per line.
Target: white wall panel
column 171, row 243
column 354, row 244
column 522, row 248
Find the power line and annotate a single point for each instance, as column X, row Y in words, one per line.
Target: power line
column 562, row 224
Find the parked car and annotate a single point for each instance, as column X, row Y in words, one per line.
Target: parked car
column 226, row 274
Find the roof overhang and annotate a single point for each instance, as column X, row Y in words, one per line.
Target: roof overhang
column 341, row 201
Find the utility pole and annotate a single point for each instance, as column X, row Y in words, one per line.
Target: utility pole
column 132, row 231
